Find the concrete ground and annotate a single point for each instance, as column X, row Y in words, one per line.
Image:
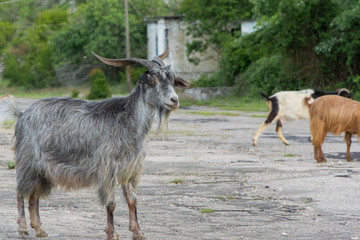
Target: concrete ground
column 203, row 179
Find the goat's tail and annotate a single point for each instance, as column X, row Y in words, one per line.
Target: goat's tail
column 264, row 96
column 9, row 111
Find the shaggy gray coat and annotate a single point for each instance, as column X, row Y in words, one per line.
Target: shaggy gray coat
column 75, row 144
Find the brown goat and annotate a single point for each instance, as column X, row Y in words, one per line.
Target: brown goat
column 336, row 115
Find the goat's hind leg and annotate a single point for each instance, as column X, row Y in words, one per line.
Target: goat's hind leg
column 22, row 228
column 129, row 192
column 348, row 136
column 110, row 230
column 279, row 132
column 35, row 216
column 107, row 198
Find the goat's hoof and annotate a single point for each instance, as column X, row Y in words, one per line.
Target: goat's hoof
column 321, row 161
column 141, row 237
column 23, row 232
column 114, row 237
column 254, row 144
column 41, row 234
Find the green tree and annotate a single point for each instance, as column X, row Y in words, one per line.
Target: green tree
column 7, row 30
column 52, row 39
column 341, row 46
column 29, row 51
column 98, row 26
column 316, row 40
column 211, row 22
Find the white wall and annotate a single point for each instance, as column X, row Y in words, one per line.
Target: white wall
column 177, row 40
column 247, row 27
column 151, row 39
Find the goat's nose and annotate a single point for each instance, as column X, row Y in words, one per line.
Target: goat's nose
column 174, row 99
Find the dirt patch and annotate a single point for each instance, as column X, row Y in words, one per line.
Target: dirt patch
column 228, row 189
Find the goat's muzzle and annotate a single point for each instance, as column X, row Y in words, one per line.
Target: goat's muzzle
column 173, row 103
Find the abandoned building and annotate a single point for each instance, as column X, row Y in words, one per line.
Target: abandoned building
column 171, row 31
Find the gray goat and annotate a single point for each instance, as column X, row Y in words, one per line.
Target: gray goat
column 73, row 143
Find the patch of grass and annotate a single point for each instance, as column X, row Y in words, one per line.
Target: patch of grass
column 259, row 116
column 213, row 113
column 290, row 155
column 44, row 93
column 230, row 102
column 226, row 198
column 258, row 198
column 231, row 197
column 11, row 164
column 79, row 91
column 308, row 200
column 8, row 123
column 184, row 133
column 207, row 210
column 177, row 181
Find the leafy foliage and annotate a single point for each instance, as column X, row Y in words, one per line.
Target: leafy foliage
column 6, row 33
column 207, row 81
column 267, row 74
column 47, row 41
column 211, row 21
column 341, row 47
column 27, row 59
column 298, row 44
column 99, row 86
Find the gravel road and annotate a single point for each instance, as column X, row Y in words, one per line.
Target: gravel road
column 203, row 179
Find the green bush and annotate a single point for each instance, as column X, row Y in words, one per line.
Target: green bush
column 238, row 55
column 18, row 74
column 207, row 81
column 135, row 74
column 75, row 94
column 99, row 86
column 268, row 75
column 6, row 33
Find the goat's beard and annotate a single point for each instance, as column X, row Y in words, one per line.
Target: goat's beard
column 163, row 115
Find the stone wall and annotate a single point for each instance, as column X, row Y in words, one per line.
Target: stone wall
column 203, row 94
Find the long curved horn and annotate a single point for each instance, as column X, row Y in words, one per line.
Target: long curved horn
column 159, row 59
column 125, row 61
column 165, row 53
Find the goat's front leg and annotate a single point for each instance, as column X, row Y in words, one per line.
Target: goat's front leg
column 319, row 155
column 279, row 132
column 110, row 229
column 133, row 221
column 22, row 229
column 348, row 136
column 35, row 216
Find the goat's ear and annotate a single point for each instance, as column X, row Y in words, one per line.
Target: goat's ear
column 178, row 82
column 153, row 79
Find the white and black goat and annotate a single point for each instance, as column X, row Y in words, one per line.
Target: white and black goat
column 336, row 115
column 74, row 143
column 291, row 105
